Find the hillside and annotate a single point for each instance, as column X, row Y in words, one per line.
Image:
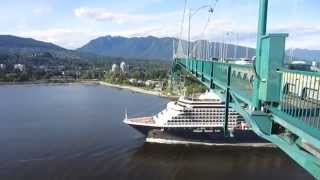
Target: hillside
column 161, row 48
column 27, row 47
column 8, row 41
column 306, row 54
column 145, row 48
column 138, row 48
column 142, row 47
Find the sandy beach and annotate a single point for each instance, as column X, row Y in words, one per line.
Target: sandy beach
column 136, row 89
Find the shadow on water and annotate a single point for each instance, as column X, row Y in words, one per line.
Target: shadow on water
column 144, row 161
column 157, row 161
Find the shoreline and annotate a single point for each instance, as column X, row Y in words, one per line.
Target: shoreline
column 136, row 89
column 102, row 83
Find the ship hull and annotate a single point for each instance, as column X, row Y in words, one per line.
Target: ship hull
column 207, row 135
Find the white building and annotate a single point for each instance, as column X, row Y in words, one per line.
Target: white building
column 114, row 68
column 132, row 81
column 19, row 67
column 151, row 82
column 2, row 66
column 315, row 66
column 140, row 82
column 123, row 67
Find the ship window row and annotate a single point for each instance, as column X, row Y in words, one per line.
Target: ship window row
column 211, row 110
column 204, row 117
column 201, row 123
column 206, row 110
column 212, row 113
column 188, row 120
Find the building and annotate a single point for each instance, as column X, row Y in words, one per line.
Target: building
column 114, row 68
column 315, row 66
column 133, row 81
column 299, row 65
column 123, row 67
column 43, row 68
column 19, row 67
column 140, row 82
column 152, row 83
column 314, row 63
column 2, row 66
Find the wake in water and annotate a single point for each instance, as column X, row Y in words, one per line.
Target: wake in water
column 185, row 142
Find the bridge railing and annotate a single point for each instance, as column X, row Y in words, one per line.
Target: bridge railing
column 300, row 96
column 241, row 83
column 300, row 90
column 213, row 72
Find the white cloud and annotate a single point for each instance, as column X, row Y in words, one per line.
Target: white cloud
column 42, row 10
column 74, row 38
column 100, row 14
column 302, row 35
column 68, row 38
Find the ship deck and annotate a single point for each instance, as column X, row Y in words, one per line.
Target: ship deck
column 144, row 120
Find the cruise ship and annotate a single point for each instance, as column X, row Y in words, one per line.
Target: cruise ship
column 195, row 120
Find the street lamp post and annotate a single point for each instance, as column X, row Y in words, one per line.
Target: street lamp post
column 191, row 14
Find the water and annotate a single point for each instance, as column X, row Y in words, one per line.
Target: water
column 76, row 132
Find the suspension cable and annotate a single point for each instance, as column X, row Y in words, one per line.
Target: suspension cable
column 212, row 11
column 183, row 17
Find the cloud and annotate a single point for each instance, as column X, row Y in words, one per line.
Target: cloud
column 67, row 38
column 75, row 38
column 42, row 10
column 100, row 14
column 301, row 34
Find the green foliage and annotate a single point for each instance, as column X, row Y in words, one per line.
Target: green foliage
column 193, row 86
column 116, row 78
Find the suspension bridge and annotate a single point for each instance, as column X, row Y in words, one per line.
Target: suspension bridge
column 281, row 105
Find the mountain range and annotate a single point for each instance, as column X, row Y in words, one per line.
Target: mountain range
column 28, row 47
column 161, row 48
column 147, row 48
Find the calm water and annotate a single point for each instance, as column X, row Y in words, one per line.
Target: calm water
column 76, row 132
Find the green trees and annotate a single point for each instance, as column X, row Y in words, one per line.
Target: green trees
column 116, row 77
column 45, row 67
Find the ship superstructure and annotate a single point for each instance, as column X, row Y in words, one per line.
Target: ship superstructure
column 200, row 118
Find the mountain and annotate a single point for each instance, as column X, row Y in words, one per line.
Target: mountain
column 8, row 41
column 306, row 54
column 26, row 47
column 130, row 48
column 137, row 47
column 144, row 47
column 161, row 48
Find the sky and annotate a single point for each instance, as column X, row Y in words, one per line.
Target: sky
column 73, row 23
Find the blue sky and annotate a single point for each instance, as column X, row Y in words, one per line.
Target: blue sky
column 71, row 24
